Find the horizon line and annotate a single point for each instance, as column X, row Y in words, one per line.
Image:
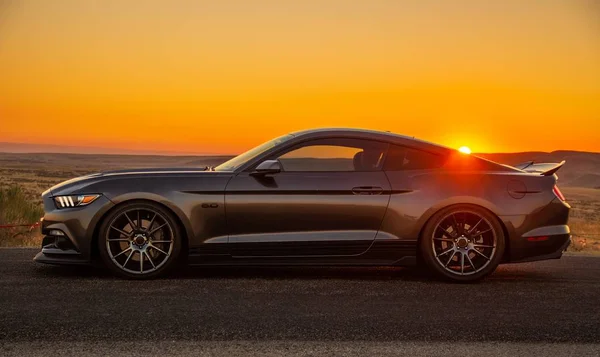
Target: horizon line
column 76, row 150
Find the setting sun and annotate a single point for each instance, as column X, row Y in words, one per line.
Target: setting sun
column 464, row 150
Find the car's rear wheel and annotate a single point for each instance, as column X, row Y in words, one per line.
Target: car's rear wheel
column 463, row 243
column 139, row 240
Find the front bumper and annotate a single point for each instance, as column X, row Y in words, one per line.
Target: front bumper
column 59, row 250
column 76, row 227
column 60, row 259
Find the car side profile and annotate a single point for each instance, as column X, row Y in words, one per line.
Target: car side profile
column 315, row 197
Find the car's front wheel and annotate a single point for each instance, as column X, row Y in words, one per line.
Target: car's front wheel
column 139, row 240
column 462, row 243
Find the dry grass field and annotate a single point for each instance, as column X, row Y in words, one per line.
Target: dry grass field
column 23, row 177
column 585, row 218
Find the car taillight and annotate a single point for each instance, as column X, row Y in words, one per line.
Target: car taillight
column 558, row 194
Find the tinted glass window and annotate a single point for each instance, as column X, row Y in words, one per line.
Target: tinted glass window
column 233, row 164
column 335, row 155
column 403, row 158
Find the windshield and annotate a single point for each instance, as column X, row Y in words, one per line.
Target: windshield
column 233, row 164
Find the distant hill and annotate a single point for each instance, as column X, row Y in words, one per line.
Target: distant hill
column 27, row 148
column 103, row 162
column 582, row 169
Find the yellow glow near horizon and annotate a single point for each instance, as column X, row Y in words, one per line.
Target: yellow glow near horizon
column 218, row 77
column 464, row 150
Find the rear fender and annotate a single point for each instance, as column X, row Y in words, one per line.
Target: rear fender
column 458, row 200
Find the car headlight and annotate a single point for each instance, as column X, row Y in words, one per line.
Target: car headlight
column 74, row 200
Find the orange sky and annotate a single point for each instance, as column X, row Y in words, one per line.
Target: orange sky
column 222, row 76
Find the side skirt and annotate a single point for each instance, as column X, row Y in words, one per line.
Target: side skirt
column 382, row 253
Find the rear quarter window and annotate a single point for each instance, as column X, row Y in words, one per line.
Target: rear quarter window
column 403, row 158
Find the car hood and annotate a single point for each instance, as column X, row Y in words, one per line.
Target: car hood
column 77, row 183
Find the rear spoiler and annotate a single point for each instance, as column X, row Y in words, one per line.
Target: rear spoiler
column 544, row 169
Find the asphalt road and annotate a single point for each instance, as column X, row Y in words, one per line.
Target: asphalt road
column 551, row 306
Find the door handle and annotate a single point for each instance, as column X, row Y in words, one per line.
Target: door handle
column 367, row 190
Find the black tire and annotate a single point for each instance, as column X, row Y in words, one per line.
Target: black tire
column 452, row 249
column 110, row 240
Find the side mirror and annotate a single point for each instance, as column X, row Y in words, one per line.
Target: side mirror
column 267, row 167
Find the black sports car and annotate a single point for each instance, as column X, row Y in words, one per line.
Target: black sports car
column 316, row 197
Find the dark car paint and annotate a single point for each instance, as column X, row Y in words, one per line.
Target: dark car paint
column 310, row 209
column 317, row 217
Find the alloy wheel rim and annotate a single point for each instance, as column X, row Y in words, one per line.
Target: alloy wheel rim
column 464, row 242
column 139, row 241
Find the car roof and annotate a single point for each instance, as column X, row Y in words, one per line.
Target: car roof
column 370, row 134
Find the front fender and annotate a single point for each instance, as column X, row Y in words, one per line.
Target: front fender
column 183, row 218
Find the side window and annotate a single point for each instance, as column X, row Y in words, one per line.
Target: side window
column 335, row 155
column 401, row 158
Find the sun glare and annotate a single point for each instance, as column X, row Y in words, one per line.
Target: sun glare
column 464, row 150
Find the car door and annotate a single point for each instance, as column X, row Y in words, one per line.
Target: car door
column 328, row 200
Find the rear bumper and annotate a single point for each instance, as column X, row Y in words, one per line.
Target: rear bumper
column 547, row 249
column 543, row 234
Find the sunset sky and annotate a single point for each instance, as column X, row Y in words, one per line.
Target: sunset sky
column 223, row 76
